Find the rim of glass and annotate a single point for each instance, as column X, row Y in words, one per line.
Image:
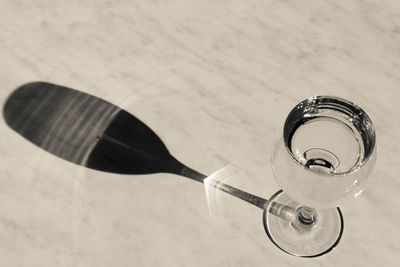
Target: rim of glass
column 339, row 104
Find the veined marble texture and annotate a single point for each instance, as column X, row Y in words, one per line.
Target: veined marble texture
column 215, row 80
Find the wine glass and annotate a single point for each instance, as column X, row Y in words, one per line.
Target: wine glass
column 324, row 157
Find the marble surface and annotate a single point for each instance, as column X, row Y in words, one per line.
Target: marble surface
column 215, row 80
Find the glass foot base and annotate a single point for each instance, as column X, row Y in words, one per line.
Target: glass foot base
column 296, row 236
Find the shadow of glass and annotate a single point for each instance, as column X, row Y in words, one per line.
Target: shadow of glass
column 94, row 133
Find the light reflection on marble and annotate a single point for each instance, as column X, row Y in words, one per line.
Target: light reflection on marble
column 215, row 80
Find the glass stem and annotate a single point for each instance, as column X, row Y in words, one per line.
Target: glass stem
column 301, row 218
column 282, row 211
column 307, row 215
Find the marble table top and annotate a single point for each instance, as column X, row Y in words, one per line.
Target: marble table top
column 215, row 80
